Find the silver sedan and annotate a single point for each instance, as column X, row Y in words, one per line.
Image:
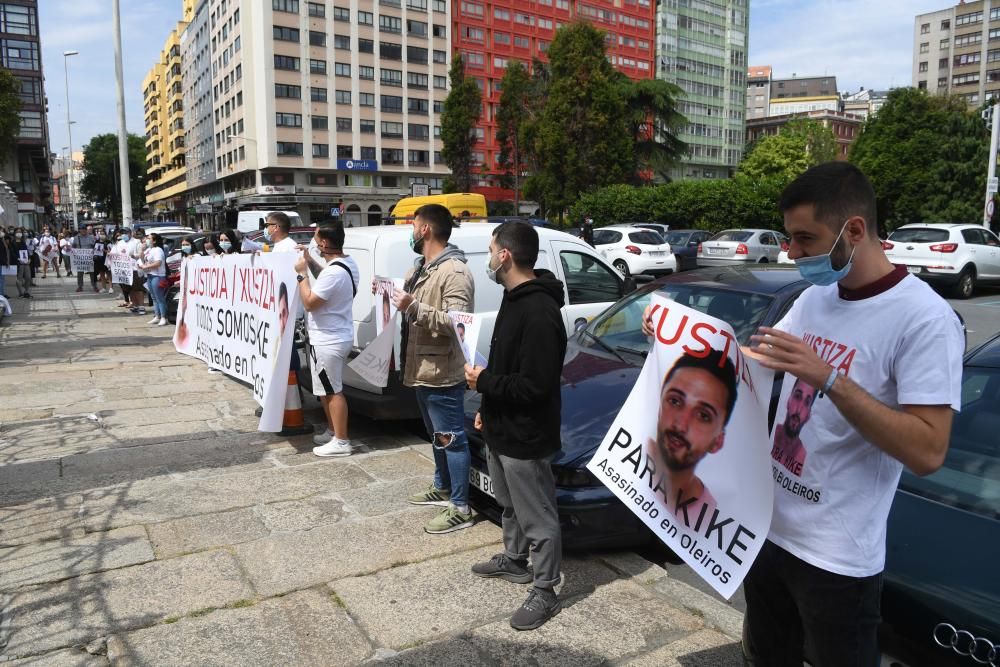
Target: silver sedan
column 741, row 246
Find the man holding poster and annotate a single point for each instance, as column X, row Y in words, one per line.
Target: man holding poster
column 881, row 354
column 520, row 420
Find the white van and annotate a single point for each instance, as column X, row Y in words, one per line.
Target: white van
column 253, row 221
column 591, row 286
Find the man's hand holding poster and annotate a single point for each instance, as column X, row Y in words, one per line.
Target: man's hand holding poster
column 688, row 453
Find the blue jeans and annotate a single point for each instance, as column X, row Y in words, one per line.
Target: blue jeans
column 443, row 410
column 159, row 295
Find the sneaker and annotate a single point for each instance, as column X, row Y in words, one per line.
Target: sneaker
column 323, row 438
column 449, row 520
column 79, row 289
column 153, row 321
column 432, row 496
column 28, row 296
column 110, row 291
column 541, row 605
column 505, row 568
column 164, row 321
column 140, row 311
column 333, row 448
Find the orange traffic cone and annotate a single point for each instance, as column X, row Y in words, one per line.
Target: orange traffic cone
column 294, row 421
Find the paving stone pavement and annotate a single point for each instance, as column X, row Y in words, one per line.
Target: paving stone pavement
column 144, row 521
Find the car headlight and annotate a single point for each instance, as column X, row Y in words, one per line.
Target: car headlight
column 574, row 477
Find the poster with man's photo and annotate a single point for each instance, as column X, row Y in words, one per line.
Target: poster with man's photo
column 689, row 451
column 385, row 309
column 466, row 327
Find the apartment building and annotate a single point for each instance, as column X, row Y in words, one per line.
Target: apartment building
column 489, row 35
column 845, row 126
column 26, row 172
column 702, row 47
column 956, row 51
column 204, row 199
column 163, row 109
column 758, row 91
column 67, row 179
column 803, row 94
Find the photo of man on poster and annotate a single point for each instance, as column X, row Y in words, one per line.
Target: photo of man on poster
column 696, row 401
column 788, row 449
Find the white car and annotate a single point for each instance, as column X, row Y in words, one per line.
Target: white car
column 633, row 250
column 735, row 247
column 954, row 255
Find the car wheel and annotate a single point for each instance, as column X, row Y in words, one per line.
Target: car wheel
column 966, row 284
column 762, row 260
column 621, row 266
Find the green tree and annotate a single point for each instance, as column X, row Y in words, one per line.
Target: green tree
column 580, row 139
column 926, row 157
column 799, row 145
column 653, row 123
column 101, row 180
column 10, row 107
column 461, row 113
column 515, row 109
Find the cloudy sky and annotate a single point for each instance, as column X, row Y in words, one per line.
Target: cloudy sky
column 863, row 42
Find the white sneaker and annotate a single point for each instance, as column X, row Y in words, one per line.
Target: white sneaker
column 333, row 448
column 164, row 322
column 323, row 438
column 110, row 291
column 153, row 321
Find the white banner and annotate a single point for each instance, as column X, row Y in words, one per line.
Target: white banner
column 122, row 267
column 374, row 361
column 81, row 260
column 689, row 452
column 234, row 315
column 466, row 327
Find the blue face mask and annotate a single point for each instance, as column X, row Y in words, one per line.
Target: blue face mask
column 126, row 237
column 819, row 269
column 267, row 234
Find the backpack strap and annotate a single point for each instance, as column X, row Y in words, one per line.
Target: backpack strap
column 354, row 287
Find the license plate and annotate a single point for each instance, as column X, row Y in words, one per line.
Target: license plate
column 715, row 251
column 656, row 253
column 913, row 269
column 482, row 482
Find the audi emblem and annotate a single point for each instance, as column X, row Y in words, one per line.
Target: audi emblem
column 966, row 644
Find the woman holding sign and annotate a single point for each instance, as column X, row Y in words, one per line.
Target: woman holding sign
column 154, row 264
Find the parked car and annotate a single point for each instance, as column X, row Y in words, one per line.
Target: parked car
column 301, row 235
column 684, row 243
column 602, row 364
column 591, row 285
column 741, row 246
column 635, row 250
column 958, row 256
column 941, row 595
column 252, row 221
column 655, row 226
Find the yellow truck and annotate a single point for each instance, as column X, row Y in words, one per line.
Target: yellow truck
column 461, row 204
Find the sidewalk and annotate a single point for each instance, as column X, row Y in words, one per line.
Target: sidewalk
column 145, row 521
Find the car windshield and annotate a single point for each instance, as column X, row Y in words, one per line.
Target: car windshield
column 678, row 238
column 919, row 235
column 970, row 476
column 732, row 235
column 620, row 327
column 648, row 238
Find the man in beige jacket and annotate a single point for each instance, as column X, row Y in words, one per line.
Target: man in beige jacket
column 433, row 364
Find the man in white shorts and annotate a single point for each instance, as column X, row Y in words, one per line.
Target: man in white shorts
column 328, row 305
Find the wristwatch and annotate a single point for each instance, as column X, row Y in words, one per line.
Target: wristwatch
column 300, row 277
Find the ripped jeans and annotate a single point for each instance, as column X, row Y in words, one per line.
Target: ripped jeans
column 443, row 410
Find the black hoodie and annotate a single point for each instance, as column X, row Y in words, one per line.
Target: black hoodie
column 520, row 384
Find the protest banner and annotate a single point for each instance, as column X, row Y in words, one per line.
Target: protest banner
column 22, row 257
column 689, row 451
column 8, row 270
column 234, row 315
column 466, row 327
column 122, row 267
column 374, row 361
column 81, row 260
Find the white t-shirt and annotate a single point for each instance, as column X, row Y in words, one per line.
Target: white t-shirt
column 903, row 346
column 334, row 321
column 284, row 245
column 155, row 254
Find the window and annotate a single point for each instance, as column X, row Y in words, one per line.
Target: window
column 943, row 63
column 292, row 92
column 946, row 24
column 416, row 28
column 367, row 127
column 317, row 38
column 924, row 47
column 368, row 153
column 963, row 59
column 438, row 106
column 501, row 38
column 501, row 14
column 392, row 156
column 323, row 123
column 421, row 132
column 967, row 39
column 390, row 24
column 286, row 62
column 286, row 6
column 391, row 77
column 342, row 69
column 472, row 34
column 416, row 54
column 995, row 13
column 366, row 99
column 473, row 9
column 366, row 46
column 390, row 51
column 921, row 85
column 994, row 34
column 366, row 18
column 414, row 80
column 317, row 66
column 943, row 44
column 441, row 82
column 288, row 119
column 321, row 150
column 286, row 34
column 342, row 42
column 344, row 124
column 417, row 4
column 317, row 10
column 290, row 148
column 18, row 20
column 962, row 19
column 366, row 72
column 439, row 31
column 419, row 157
column 476, row 60
column 392, row 130
column 591, row 282
column 317, row 94
column 343, row 97
column 965, row 79
column 522, row 42
column 440, row 5
column 926, row 28
column 922, row 67
column 392, row 103
column 342, row 14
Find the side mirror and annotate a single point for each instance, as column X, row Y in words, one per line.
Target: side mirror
column 629, row 285
column 692, row 243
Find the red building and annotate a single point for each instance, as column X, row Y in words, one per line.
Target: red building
column 490, row 33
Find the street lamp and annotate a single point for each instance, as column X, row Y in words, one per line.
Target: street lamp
column 69, row 131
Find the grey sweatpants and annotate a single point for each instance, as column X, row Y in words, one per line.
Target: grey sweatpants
column 527, row 492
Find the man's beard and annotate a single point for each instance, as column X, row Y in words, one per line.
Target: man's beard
column 666, row 454
column 790, row 430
